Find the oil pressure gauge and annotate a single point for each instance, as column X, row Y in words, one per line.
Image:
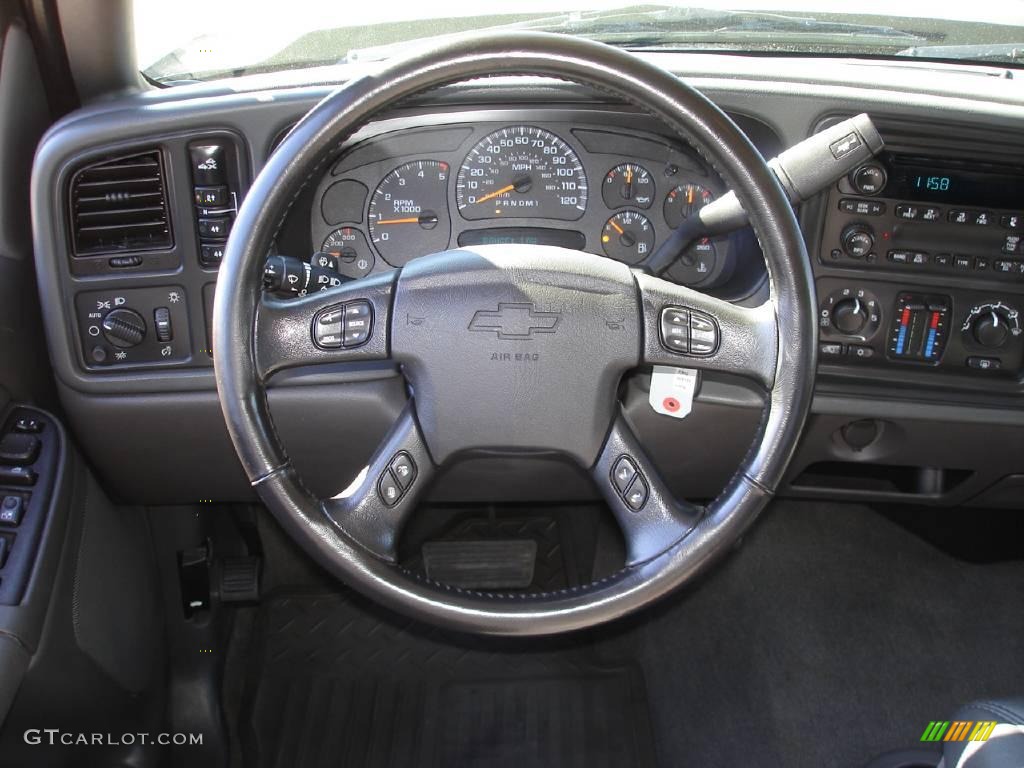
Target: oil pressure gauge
column 628, row 184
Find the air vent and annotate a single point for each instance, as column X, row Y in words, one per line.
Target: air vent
column 120, row 205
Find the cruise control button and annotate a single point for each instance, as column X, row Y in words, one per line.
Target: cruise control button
column 403, row 470
column 636, row 496
column 389, row 490
column 623, row 473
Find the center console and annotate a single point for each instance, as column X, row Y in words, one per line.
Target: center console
column 921, row 266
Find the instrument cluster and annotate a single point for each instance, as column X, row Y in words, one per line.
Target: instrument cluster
column 607, row 190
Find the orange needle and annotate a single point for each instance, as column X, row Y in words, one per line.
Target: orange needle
column 617, row 228
column 689, row 195
column 411, row 220
column 491, row 195
column 629, row 175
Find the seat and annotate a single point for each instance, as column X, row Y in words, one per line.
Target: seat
column 1004, row 747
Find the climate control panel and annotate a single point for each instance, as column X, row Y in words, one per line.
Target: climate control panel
column 954, row 330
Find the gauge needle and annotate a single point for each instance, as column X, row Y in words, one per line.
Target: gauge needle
column 410, row 220
column 689, row 195
column 617, row 228
column 494, row 194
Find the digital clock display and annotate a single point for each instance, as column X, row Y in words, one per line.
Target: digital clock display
column 933, row 183
column 954, row 182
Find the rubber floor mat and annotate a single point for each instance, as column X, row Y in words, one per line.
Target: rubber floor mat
column 333, row 681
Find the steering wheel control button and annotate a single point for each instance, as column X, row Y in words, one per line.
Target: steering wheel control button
column 675, row 329
column 636, row 496
column 629, row 483
column 389, row 489
column 328, row 328
column 703, row 334
column 11, row 510
column 344, row 325
column 358, row 323
column 623, row 473
column 403, row 469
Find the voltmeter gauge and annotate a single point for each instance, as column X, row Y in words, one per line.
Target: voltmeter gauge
column 683, row 201
column 628, row 237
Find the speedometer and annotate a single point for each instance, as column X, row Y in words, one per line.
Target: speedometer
column 521, row 172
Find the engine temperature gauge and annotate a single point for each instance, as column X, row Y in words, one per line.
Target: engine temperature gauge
column 628, row 237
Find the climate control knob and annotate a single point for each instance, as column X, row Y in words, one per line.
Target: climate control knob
column 857, row 240
column 992, row 325
column 124, row 328
column 991, row 329
column 849, row 316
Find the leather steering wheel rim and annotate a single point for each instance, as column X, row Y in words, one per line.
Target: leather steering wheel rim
column 317, row 139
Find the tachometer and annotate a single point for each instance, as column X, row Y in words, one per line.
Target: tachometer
column 521, row 172
column 408, row 214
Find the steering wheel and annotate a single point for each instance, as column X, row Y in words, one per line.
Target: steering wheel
column 514, row 348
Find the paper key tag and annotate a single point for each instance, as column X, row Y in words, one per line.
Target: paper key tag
column 672, row 390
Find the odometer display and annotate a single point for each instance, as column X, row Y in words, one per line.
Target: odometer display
column 521, row 172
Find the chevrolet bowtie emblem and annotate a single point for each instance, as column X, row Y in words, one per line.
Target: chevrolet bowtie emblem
column 515, row 321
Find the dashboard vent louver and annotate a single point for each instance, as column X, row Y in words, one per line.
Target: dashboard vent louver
column 120, row 205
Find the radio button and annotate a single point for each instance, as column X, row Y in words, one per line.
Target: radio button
column 862, row 207
column 1005, row 266
column 962, row 262
column 868, row 179
column 931, row 214
column 899, row 257
column 981, row 263
column 941, row 260
column 919, row 258
column 959, row 216
column 982, row 218
column 1011, row 245
column 909, row 212
column 1011, row 221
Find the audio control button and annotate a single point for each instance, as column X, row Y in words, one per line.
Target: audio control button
column 1010, row 221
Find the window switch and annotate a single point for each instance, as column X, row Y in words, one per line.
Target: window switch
column 17, row 476
column 19, row 448
column 11, row 510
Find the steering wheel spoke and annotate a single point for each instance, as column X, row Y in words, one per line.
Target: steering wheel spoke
column 348, row 323
column 651, row 519
column 374, row 508
column 688, row 329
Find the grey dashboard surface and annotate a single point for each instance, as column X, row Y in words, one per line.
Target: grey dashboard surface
column 777, row 100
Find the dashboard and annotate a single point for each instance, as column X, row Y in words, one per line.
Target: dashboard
column 917, row 262
column 614, row 192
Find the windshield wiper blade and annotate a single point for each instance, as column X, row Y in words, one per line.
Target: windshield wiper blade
column 1009, row 53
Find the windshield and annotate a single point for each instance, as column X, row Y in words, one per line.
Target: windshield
column 188, row 40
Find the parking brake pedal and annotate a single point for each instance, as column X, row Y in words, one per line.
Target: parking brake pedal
column 237, row 579
column 487, row 564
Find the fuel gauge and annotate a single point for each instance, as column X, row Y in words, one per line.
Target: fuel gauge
column 628, row 237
